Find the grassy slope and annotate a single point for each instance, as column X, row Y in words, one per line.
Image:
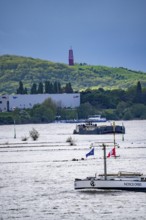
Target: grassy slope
column 29, row 70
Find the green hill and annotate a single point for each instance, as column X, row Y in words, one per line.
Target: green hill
column 81, row 76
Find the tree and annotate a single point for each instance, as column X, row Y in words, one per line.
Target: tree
column 68, row 88
column 138, row 111
column 85, row 110
column 138, row 97
column 44, row 112
column 144, row 96
column 20, row 90
column 33, row 89
column 139, row 89
column 47, row 84
column 121, row 109
column 49, row 88
column 40, row 88
column 25, row 90
column 57, row 87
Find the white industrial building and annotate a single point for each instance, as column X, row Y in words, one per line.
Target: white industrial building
column 64, row 100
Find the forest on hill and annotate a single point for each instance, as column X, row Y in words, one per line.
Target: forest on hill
column 14, row 69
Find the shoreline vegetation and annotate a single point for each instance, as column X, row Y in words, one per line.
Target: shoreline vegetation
column 110, row 104
column 114, row 93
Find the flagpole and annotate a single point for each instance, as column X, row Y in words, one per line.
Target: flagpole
column 114, row 136
column 122, row 132
column 14, row 130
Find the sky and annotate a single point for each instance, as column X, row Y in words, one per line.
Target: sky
column 100, row 32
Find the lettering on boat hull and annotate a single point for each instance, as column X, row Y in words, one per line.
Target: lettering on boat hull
column 132, row 184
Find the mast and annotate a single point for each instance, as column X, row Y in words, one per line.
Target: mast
column 104, row 153
column 105, row 169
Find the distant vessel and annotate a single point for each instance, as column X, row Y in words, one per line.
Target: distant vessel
column 92, row 118
column 93, row 128
column 96, row 118
column 132, row 181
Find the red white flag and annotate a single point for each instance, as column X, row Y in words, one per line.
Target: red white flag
column 112, row 153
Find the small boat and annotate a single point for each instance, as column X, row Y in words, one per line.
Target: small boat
column 121, row 181
column 131, row 181
column 90, row 119
column 93, row 128
column 96, row 118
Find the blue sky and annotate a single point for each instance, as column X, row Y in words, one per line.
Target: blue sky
column 100, row 32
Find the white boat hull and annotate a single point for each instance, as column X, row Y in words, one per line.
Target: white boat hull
column 132, row 181
column 96, row 184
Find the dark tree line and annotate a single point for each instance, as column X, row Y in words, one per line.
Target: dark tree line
column 109, row 99
column 113, row 104
column 21, row 89
column 46, row 87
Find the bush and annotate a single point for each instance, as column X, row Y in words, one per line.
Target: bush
column 34, row 134
column 24, row 138
column 71, row 141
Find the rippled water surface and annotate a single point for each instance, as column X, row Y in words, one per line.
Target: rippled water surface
column 36, row 177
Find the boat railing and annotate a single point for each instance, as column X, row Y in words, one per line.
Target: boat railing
column 124, row 173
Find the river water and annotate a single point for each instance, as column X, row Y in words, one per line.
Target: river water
column 37, row 177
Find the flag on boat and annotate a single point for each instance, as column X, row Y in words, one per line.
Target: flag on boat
column 112, row 153
column 91, row 153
